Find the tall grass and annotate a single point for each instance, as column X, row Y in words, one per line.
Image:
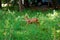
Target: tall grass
column 13, row 25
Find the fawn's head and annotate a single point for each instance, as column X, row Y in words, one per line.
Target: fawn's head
column 26, row 16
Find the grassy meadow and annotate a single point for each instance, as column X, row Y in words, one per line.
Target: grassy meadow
column 14, row 27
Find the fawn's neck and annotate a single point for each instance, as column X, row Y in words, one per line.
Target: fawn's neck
column 26, row 18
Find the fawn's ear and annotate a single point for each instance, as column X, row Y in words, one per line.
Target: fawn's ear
column 26, row 15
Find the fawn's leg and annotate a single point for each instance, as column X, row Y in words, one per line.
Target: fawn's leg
column 26, row 24
column 38, row 23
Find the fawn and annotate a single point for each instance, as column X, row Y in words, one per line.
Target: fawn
column 32, row 20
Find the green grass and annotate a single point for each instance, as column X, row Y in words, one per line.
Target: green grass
column 14, row 27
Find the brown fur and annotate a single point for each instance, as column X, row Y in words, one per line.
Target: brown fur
column 32, row 20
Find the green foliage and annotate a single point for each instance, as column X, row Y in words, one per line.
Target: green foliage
column 14, row 27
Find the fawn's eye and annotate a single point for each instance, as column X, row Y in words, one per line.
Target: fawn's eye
column 28, row 20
